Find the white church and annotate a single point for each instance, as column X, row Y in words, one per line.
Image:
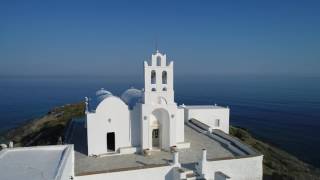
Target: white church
column 147, row 119
column 143, row 134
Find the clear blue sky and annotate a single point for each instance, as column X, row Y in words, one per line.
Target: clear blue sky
column 202, row 37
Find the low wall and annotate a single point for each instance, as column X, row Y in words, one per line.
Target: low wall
column 246, row 168
column 210, row 116
column 156, row 173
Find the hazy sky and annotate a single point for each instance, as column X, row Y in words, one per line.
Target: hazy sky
column 202, row 37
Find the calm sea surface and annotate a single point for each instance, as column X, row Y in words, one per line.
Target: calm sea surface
column 284, row 111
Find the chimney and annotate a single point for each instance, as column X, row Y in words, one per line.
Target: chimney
column 10, row 144
column 176, row 159
column 204, row 155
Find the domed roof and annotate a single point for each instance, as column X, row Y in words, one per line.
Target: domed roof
column 132, row 96
column 102, row 91
column 101, row 94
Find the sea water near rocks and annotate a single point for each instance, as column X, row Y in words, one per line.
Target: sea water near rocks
column 281, row 110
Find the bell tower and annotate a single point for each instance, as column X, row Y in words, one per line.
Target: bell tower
column 158, row 80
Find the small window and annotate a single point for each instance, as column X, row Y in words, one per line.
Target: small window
column 153, row 89
column 217, row 123
column 164, row 89
column 164, row 77
column 158, row 61
column 153, row 77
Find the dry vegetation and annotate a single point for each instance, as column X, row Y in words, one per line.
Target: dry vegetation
column 278, row 164
column 46, row 130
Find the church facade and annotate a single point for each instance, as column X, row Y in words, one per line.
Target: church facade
column 148, row 119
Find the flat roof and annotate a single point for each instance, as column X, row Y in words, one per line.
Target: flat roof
column 203, row 107
column 32, row 163
column 85, row 165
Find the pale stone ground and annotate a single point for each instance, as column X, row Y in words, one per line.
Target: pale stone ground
column 188, row 157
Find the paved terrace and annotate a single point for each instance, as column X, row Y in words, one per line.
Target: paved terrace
column 187, row 157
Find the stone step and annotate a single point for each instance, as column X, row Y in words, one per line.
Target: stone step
column 191, row 176
column 187, row 174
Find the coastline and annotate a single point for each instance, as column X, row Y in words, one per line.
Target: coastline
column 50, row 128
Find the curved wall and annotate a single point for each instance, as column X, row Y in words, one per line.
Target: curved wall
column 112, row 116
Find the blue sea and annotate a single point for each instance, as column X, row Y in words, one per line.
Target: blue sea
column 281, row 110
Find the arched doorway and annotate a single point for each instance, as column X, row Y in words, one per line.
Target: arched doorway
column 160, row 129
column 155, row 132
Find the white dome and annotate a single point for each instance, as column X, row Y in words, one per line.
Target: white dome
column 131, row 96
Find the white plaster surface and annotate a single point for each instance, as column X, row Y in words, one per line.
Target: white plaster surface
column 112, row 115
column 37, row 163
column 209, row 115
column 158, row 173
column 247, row 168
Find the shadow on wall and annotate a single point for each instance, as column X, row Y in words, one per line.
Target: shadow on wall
column 79, row 137
column 135, row 127
column 170, row 175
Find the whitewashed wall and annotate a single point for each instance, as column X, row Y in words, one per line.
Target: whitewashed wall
column 158, row 173
column 174, row 127
column 112, row 115
column 249, row 168
column 209, row 115
column 168, row 136
column 150, row 96
column 180, row 125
